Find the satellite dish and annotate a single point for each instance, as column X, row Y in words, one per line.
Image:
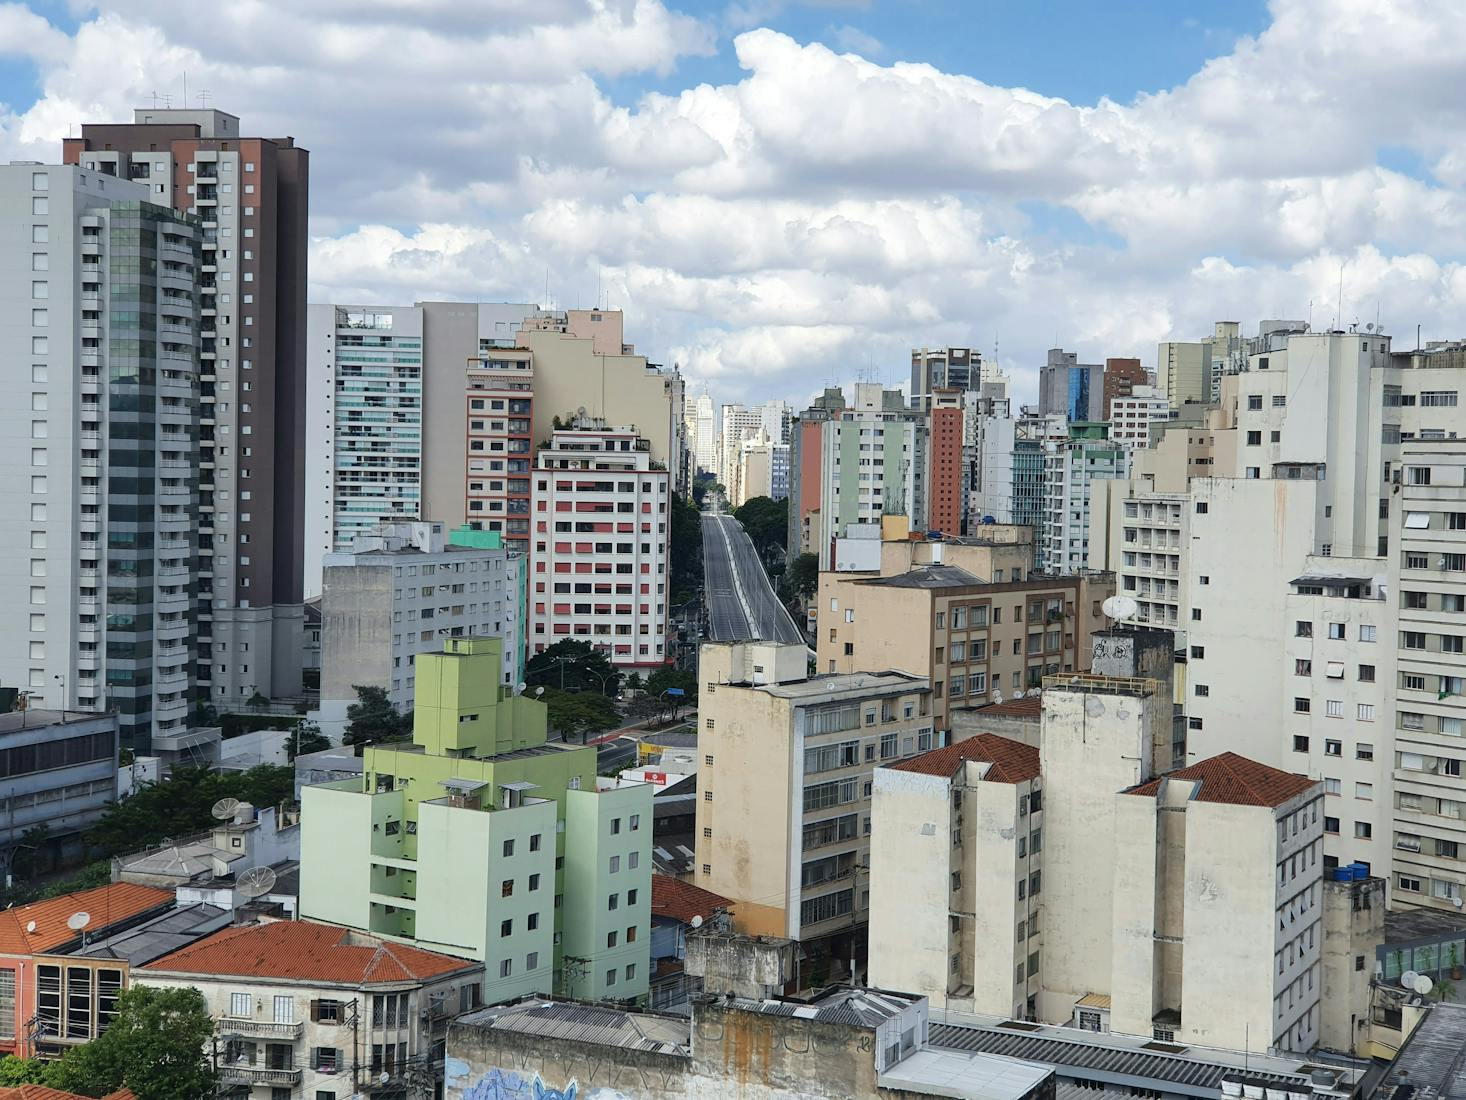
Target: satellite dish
column 519, row 687
column 256, row 881
column 225, row 809
column 1408, row 979
column 30, row 926
column 1120, row 608
column 580, row 410
column 997, row 695
column 77, row 921
column 1423, row 985
column 538, row 692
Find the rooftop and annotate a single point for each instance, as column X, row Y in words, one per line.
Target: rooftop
column 306, row 951
column 1234, row 780
column 582, row 1023
column 1429, row 1065
column 682, row 901
column 41, row 1092
column 1012, row 761
column 36, row 717
column 928, row 576
column 852, row 1007
column 41, row 926
column 817, row 688
column 971, row 1076
column 1029, row 706
column 167, row 932
column 1405, row 925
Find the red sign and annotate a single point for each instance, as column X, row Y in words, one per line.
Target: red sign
column 659, row 778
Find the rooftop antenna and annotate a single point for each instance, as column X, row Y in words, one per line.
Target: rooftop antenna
column 204, row 97
column 256, row 881
column 1120, row 609
column 1339, row 309
column 77, row 922
column 225, row 809
column 185, row 87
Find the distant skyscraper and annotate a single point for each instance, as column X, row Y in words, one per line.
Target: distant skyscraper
column 702, row 434
column 249, row 194
column 99, row 328
column 1070, row 388
column 943, row 369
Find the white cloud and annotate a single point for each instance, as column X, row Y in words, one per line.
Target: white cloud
column 824, row 212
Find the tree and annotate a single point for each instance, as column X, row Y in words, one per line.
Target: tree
column 802, row 578
column 633, row 683
column 766, row 521
column 257, row 702
column 580, row 713
column 306, row 737
column 684, row 549
column 573, row 665
column 21, row 1071
column 373, row 718
column 667, row 678
column 155, row 1046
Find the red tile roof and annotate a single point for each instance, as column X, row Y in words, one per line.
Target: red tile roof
column 1237, row 781
column 1012, row 761
column 307, row 951
column 671, row 897
column 41, row 1092
column 108, row 905
column 1030, row 706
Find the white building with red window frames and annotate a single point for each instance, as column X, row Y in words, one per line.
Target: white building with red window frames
column 600, row 544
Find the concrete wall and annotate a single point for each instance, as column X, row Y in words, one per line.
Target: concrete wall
column 1353, row 926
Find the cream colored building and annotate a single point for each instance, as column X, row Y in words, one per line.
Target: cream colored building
column 1428, row 587
column 784, row 782
column 969, row 615
column 1184, row 372
column 314, row 1010
column 955, row 847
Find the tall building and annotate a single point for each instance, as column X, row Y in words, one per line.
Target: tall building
column 1132, row 414
column 1184, row 372
column 1121, row 378
column 500, row 445
column 99, row 320
column 763, row 469
column 398, row 591
column 946, row 483
column 250, row 196
column 872, row 463
column 741, row 422
column 365, row 417
column 1427, row 571
column 784, row 808
column 806, row 471
column 702, row 432
column 1070, row 469
column 1071, row 389
column 935, row 369
column 600, row 545
column 483, row 841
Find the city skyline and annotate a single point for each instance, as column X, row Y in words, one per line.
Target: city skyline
column 1221, row 164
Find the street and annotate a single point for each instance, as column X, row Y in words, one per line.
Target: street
column 742, row 605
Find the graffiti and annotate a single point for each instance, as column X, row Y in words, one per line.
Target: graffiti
column 500, row 1084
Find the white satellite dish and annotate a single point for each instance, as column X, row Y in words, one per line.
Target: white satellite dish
column 1407, row 979
column 1423, row 984
column 1120, row 608
column 697, row 921
column 997, row 695
column 77, row 921
column 225, row 809
column 30, row 926
column 256, row 881
column 538, row 692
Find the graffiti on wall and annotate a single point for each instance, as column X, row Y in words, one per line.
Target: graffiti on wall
column 500, row 1084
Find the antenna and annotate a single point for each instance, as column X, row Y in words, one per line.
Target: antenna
column 696, row 921
column 256, row 881
column 1408, row 979
column 203, row 97
column 78, row 920
column 1120, row 609
column 225, row 809
column 1339, row 312
column 1423, row 985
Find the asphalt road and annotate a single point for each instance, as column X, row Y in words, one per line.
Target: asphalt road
column 741, row 602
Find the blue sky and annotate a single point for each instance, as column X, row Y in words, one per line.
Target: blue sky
column 789, row 220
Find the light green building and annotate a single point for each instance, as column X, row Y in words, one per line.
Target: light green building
column 483, row 840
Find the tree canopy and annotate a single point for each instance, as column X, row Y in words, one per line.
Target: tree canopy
column 573, row 665
column 156, row 1046
column 180, row 805
column 766, row 521
column 802, row 578
column 684, row 549
column 373, row 718
column 579, row 714
column 306, row 737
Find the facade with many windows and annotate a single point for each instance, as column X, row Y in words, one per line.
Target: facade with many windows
column 500, row 444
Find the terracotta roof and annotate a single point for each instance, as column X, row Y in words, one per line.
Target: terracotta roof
column 108, row 905
column 41, row 1092
column 671, row 897
column 307, row 951
column 1012, row 761
column 1235, row 780
column 1030, row 706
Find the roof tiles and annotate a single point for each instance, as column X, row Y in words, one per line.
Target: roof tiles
column 1235, row 780
column 1012, row 761
column 681, row 901
column 41, row 926
column 307, row 951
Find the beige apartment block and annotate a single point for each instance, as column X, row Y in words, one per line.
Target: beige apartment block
column 1428, row 587
column 784, row 782
column 948, row 612
column 954, row 852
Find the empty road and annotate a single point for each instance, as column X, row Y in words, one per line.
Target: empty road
column 741, row 603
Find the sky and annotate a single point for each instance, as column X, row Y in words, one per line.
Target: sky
column 785, row 194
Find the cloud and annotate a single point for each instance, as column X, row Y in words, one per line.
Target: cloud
column 824, row 211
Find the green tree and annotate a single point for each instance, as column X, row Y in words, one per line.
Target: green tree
column 766, row 521
column 306, row 737
column 573, row 665
column 257, row 702
column 21, row 1071
column 634, row 683
column 580, row 714
column 154, row 1046
column 684, row 549
column 373, row 718
column 802, row 578
column 667, row 679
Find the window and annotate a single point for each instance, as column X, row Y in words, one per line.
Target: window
column 1300, row 743
column 1364, row 791
column 1331, row 825
column 1333, row 748
column 1363, row 830
column 1302, row 666
column 1363, row 751
column 1366, row 712
column 1301, row 705
column 241, row 1005
column 1366, row 674
column 1366, row 633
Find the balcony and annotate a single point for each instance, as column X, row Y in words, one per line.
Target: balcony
column 259, row 1075
column 260, row 1029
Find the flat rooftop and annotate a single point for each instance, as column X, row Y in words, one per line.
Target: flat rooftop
column 1406, row 925
column 844, row 683
column 37, row 717
column 581, row 1023
column 971, row 1076
column 1430, row 1066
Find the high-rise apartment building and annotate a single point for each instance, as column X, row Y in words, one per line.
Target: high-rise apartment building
column 365, row 418
column 500, row 444
column 1071, row 389
column 1427, row 585
column 935, row 369
column 1121, row 378
column 946, row 483
column 1184, row 372
column 702, row 432
column 600, row 545
column 806, row 471
column 1132, row 415
column 763, row 469
column 743, row 422
column 99, row 322
column 1070, row 468
column 250, row 197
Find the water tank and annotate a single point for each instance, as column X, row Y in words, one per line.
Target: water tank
column 1358, row 871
